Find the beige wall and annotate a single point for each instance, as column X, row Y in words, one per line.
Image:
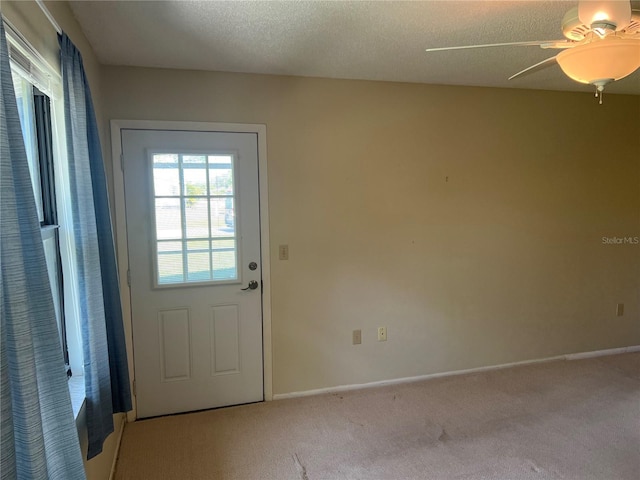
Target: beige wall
column 468, row 221
column 29, row 20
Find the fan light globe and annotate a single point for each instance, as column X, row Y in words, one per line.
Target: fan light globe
column 601, row 61
column 614, row 13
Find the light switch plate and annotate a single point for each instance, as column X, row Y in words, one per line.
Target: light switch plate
column 620, row 309
column 357, row 337
column 283, row 252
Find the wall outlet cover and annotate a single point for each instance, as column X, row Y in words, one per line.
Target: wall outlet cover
column 382, row 334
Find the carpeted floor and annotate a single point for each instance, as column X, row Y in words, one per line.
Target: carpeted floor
column 558, row 420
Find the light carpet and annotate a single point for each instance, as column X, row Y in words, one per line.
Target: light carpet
column 557, row 420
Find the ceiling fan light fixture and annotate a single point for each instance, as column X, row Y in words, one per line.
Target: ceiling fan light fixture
column 602, row 15
column 601, row 61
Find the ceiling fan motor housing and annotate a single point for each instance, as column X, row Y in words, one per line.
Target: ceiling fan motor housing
column 574, row 29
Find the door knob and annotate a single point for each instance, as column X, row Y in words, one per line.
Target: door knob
column 252, row 285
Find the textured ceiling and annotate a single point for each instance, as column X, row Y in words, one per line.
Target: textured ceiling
column 337, row 39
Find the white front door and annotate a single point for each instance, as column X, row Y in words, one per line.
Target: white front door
column 193, row 233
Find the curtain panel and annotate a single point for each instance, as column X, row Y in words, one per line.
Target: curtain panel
column 38, row 434
column 105, row 361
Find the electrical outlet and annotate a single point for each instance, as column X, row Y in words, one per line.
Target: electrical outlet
column 382, row 334
column 357, row 337
column 620, row 309
column 283, row 252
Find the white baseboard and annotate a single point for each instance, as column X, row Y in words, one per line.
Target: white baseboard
column 602, row 353
column 395, row 381
column 117, row 449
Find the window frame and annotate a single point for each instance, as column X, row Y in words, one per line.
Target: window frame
column 49, row 227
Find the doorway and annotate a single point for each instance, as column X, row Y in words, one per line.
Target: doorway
column 197, row 278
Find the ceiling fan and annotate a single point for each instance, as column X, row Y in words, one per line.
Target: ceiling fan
column 602, row 44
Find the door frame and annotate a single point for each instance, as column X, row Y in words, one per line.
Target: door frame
column 121, row 230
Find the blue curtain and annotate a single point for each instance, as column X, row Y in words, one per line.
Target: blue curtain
column 38, row 434
column 105, row 360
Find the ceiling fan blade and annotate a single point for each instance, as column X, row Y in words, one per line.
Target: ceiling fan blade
column 534, row 68
column 558, row 44
column 539, row 43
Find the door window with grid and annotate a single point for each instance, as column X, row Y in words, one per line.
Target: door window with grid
column 194, row 221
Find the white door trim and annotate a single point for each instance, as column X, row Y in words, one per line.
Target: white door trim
column 121, row 229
